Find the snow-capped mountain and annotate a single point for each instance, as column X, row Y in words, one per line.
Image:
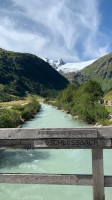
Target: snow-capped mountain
column 56, row 64
column 60, row 65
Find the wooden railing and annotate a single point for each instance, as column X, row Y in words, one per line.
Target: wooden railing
column 95, row 138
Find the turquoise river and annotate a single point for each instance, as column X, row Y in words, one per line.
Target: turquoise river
column 50, row 161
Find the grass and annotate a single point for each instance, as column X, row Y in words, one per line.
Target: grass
column 108, row 96
column 109, row 109
column 20, row 102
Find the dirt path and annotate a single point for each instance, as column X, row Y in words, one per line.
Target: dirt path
column 19, row 102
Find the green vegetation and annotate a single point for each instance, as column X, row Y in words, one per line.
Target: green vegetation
column 17, row 114
column 109, row 109
column 83, row 102
column 100, row 71
column 4, row 96
column 22, row 73
column 108, row 96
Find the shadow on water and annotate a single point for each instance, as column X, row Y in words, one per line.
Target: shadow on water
column 39, row 115
column 15, row 158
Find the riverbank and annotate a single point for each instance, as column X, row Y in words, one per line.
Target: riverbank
column 83, row 101
column 16, row 114
column 54, row 105
column 107, row 122
column 50, row 116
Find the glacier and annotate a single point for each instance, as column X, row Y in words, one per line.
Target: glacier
column 63, row 67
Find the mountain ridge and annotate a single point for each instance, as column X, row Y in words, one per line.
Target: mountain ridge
column 24, row 72
column 100, row 71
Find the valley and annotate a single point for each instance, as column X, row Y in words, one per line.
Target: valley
column 28, row 75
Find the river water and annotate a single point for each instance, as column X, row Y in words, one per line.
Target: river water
column 50, row 161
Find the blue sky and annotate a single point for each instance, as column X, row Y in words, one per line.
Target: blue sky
column 75, row 30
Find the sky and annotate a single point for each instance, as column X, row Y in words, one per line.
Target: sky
column 74, row 30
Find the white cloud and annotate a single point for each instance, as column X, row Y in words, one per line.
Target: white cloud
column 16, row 40
column 67, row 29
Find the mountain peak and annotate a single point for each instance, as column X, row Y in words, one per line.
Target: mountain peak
column 55, row 63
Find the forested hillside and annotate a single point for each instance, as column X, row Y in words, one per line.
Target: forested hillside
column 100, row 71
column 22, row 73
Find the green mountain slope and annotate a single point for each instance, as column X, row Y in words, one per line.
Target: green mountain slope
column 100, row 71
column 23, row 72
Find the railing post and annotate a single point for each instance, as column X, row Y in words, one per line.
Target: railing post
column 98, row 174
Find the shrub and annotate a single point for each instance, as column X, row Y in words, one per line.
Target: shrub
column 9, row 118
column 83, row 101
